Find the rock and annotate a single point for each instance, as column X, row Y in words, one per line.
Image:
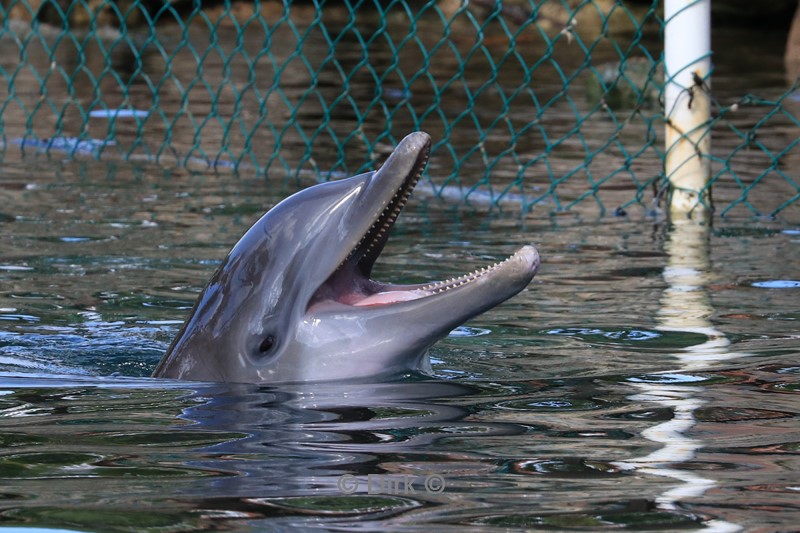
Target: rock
column 626, row 84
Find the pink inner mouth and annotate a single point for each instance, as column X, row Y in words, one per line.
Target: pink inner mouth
column 349, row 287
column 390, row 297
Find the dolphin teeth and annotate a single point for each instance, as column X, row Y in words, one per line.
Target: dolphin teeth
column 388, row 214
column 439, row 287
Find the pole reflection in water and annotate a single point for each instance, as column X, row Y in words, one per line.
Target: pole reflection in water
column 685, row 307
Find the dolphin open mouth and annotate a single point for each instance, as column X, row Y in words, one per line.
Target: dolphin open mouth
column 391, row 187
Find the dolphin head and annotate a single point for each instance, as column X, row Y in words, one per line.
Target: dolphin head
column 294, row 299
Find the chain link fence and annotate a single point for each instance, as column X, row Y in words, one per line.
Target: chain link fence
column 548, row 103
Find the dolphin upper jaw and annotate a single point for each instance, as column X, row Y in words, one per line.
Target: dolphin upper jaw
column 301, row 277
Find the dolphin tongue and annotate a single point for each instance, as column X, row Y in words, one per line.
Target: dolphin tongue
column 390, row 297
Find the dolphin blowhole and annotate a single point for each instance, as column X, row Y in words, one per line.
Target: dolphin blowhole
column 294, row 299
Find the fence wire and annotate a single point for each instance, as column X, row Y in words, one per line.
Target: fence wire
column 548, row 103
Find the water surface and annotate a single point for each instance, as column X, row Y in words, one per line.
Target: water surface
column 646, row 379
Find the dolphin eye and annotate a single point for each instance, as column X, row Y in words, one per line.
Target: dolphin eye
column 267, row 344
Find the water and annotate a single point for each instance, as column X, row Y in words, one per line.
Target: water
column 636, row 383
column 647, row 379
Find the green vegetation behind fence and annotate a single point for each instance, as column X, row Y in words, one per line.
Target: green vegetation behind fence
column 552, row 103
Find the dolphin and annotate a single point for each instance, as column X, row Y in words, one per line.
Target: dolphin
column 293, row 301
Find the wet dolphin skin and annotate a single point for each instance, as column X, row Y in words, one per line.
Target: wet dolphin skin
column 294, row 300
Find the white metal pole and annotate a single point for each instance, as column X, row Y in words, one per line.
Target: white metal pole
column 687, row 64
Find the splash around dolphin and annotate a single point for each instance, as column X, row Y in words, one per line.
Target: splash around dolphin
column 294, row 301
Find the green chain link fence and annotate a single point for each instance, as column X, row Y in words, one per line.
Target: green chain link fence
column 547, row 103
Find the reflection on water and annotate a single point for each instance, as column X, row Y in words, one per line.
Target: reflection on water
column 189, row 458
column 685, row 307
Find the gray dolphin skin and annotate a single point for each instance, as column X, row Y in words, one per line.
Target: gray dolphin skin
column 293, row 301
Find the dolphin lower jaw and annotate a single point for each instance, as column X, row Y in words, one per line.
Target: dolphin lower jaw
column 528, row 254
column 392, row 338
column 443, row 304
column 349, row 285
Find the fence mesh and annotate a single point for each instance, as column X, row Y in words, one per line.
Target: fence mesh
column 546, row 103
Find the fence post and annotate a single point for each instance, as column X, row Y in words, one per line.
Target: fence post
column 687, row 63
